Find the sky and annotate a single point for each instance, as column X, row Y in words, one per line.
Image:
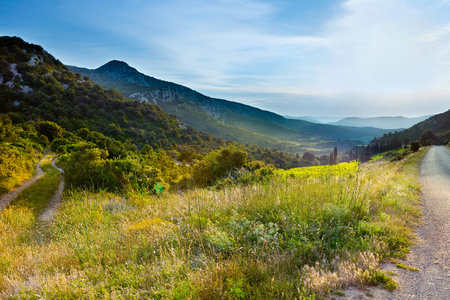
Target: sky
column 337, row 58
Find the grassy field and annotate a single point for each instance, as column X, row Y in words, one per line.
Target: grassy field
column 300, row 236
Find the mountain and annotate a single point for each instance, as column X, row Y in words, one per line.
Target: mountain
column 36, row 86
column 439, row 124
column 381, row 122
column 216, row 115
column 321, row 120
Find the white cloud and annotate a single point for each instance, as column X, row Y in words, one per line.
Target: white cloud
column 388, row 54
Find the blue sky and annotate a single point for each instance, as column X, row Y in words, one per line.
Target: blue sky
column 294, row 57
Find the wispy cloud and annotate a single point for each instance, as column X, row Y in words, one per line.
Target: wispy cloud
column 357, row 55
column 371, row 50
column 434, row 35
column 381, row 48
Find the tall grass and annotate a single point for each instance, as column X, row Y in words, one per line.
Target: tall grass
column 290, row 238
column 16, row 166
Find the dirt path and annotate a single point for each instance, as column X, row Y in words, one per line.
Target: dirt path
column 432, row 253
column 49, row 213
column 8, row 197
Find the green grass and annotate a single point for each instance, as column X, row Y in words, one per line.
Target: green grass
column 376, row 157
column 406, row 267
column 291, row 238
column 379, row 277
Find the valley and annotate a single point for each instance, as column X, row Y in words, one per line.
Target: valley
column 226, row 119
column 117, row 185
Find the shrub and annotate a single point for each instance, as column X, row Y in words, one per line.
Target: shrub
column 415, row 146
column 218, row 164
column 89, row 166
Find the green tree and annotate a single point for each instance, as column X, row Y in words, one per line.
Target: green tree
column 308, row 156
column 50, row 129
column 406, row 141
column 324, row 159
column 427, row 137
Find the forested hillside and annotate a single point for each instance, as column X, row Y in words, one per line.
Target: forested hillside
column 104, row 139
column 37, row 86
column 223, row 118
column 435, row 130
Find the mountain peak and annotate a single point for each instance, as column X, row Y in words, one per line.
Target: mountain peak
column 116, row 65
column 121, row 70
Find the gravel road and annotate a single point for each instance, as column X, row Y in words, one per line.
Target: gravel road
column 431, row 255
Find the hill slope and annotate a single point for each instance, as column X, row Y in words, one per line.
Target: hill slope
column 34, row 85
column 192, row 106
column 439, row 124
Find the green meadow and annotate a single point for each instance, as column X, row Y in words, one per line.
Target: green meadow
column 303, row 234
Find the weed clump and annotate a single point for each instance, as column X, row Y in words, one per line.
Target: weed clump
column 406, row 267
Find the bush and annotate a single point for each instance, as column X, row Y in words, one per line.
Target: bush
column 415, row 146
column 88, row 166
column 18, row 152
column 308, row 156
column 15, row 166
column 218, row 164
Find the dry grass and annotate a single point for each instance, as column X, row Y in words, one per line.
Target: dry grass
column 288, row 239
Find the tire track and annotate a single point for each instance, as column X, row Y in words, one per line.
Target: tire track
column 49, row 213
column 8, row 197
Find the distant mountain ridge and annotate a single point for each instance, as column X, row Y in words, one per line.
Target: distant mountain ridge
column 439, row 124
column 215, row 115
column 381, row 122
column 320, row 120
